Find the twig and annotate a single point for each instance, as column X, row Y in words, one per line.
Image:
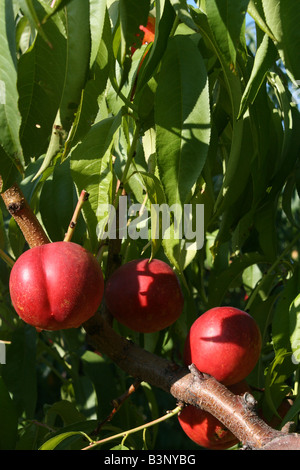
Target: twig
column 124, row 434
column 82, row 198
column 117, row 403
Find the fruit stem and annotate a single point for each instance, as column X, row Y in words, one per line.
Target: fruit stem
column 20, row 210
column 84, row 195
column 117, row 403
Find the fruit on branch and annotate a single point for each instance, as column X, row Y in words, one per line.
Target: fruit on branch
column 224, row 342
column 144, row 296
column 56, row 286
column 206, row 430
column 149, row 33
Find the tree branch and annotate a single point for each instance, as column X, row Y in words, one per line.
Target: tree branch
column 186, row 386
column 20, row 210
column 236, row 413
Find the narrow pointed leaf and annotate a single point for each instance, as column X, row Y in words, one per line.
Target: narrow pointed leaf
column 283, row 19
column 226, row 18
column 182, row 119
column 264, row 59
column 91, row 170
column 9, row 114
column 39, row 90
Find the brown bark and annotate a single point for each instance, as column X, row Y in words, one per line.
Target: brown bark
column 186, row 386
column 20, row 210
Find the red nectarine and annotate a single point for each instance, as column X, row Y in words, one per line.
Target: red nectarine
column 224, row 342
column 144, row 296
column 56, row 286
column 206, row 430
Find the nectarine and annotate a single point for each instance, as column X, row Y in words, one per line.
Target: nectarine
column 56, row 286
column 144, row 296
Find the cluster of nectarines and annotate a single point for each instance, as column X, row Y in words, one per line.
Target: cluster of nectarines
column 60, row 285
column 224, row 342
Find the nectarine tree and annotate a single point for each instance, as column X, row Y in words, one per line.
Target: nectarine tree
column 177, row 105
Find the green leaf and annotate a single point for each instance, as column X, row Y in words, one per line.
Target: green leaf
column 8, row 170
column 8, row 419
column 9, row 114
column 233, row 86
column 165, row 17
column 40, row 91
column 294, row 316
column 91, row 170
column 182, row 119
column 29, row 8
column 283, row 18
column 275, row 387
column 282, row 323
column 264, row 58
column 66, row 410
column 49, row 100
column 55, row 441
column 156, row 196
column 179, row 255
column 226, row 18
column 19, row 373
column 59, row 4
column 182, row 10
column 57, row 202
column 132, row 15
column 265, row 224
column 76, row 60
column 255, row 9
column 120, row 447
column 220, row 281
column 292, row 412
column 97, row 20
column 93, row 93
column 77, row 54
column 290, row 199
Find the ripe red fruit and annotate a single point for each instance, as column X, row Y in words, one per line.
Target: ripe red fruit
column 144, row 296
column 224, row 342
column 206, row 430
column 56, row 286
column 149, row 32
